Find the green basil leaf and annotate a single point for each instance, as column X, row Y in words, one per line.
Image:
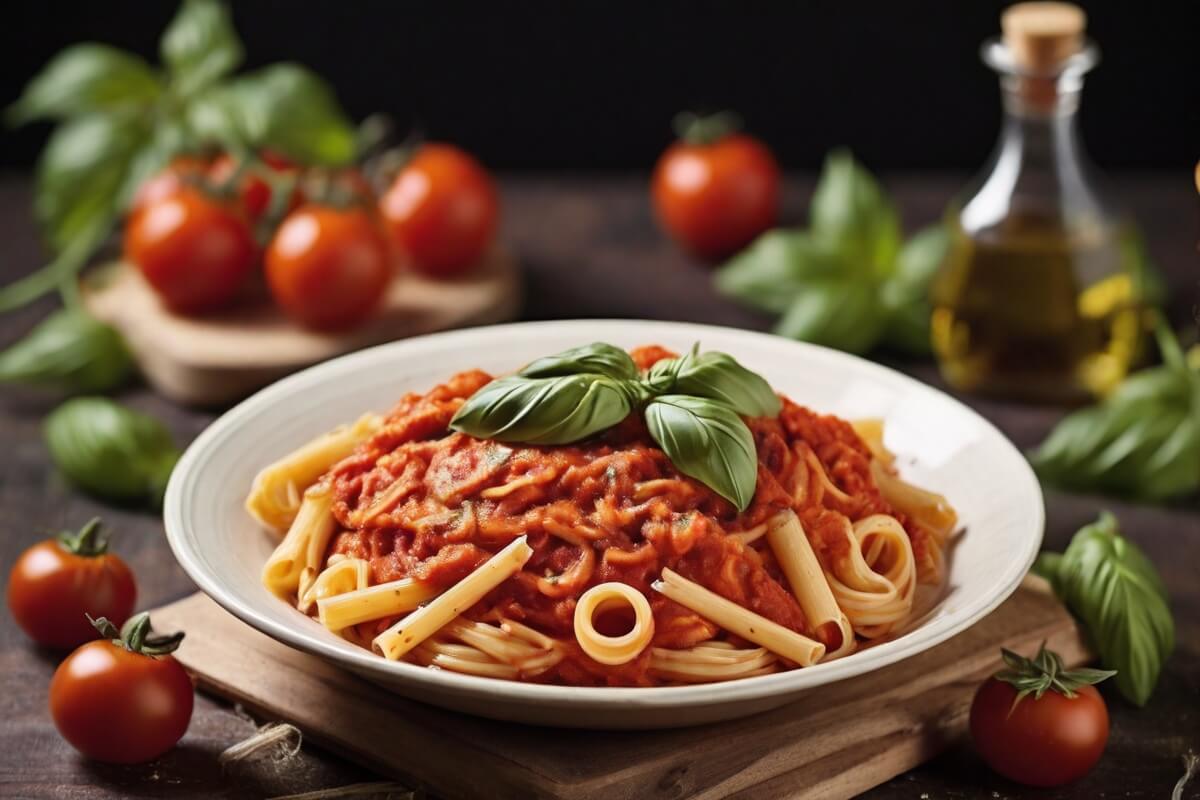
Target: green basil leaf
column 717, row 376
column 1114, row 589
column 81, row 174
column 772, row 271
column 283, row 107
column 557, row 410
column 111, row 451
column 706, row 440
column 843, row 314
column 200, row 46
column 853, row 215
column 1142, row 442
column 598, row 358
column 71, row 351
column 917, row 263
column 84, row 78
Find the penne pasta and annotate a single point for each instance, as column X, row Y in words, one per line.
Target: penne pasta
column 368, row 603
column 314, row 523
column 741, row 621
column 277, row 490
column 422, row 623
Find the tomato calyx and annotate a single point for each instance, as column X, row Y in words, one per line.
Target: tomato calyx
column 90, row 541
column 1046, row 672
column 137, row 636
column 705, row 129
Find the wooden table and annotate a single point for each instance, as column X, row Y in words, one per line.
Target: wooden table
column 590, row 249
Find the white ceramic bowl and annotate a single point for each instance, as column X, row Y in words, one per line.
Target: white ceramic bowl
column 941, row 444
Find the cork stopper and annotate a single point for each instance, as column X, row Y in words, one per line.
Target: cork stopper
column 1042, row 35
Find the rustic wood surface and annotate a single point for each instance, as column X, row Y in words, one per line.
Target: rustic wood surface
column 831, row 745
column 589, row 249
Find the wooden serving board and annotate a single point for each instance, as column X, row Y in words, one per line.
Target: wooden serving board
column 219, row 358
column 837, row 741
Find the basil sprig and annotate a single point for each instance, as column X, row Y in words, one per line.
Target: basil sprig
column 1108, row 582
column 111, row 451
column 120, row 120
column 70, row 351
column 1143, row 441
column 691, row 406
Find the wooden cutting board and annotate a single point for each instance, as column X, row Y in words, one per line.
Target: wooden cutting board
column 219, row 358
column 838, row 741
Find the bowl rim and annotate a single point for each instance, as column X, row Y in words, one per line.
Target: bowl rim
column 928, row 635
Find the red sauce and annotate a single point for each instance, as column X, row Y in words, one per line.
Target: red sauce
column 414, row 502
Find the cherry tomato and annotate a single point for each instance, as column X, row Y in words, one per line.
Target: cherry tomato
column 56, row 583
column 715, row 191
column 122, row 701
column 328, row 268
column 195, row 251
column 254, row 192
column 168, row 181
column 441, row 210
column 1046, row 741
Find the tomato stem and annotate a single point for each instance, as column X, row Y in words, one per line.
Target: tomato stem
column 1045, row 672
column 701, row 129
column 137, row 635
column 89, row 541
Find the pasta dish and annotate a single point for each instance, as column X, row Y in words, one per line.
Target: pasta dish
column 603, row 519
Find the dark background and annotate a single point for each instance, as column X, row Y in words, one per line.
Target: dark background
column 593, row 85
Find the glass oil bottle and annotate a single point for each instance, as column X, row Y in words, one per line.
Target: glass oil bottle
column 1040, row 297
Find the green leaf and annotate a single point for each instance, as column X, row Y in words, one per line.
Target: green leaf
column 1151, row 287
column 843, row 314
column 81, row 173
column 598, row 358
column 1142, row 442
column 706, row 440
column 556, row 410
column 772, row 271
column 1114, row 589
column 852, row 214
column 717, row 376
column 84, row 78
column 200, row 46
column 71, row 351
column 283, row 107
column 111, row 451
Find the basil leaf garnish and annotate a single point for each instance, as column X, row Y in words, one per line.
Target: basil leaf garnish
column 717, row 376
column 1142, row 442
column 776, row 268
column 71, row 351
column 1114, row 589
column 109, row 450
column 598, row 358
column 706, row 440
column 853, row 214
column 200, row 46
column 556, row 410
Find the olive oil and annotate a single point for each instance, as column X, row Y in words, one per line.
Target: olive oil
column 1034, row 312
column 1039, row 297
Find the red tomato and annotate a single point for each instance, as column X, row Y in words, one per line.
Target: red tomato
column 441, row 210
column 1047, row 741
column 56, row 583
column 328, row 268
column 168, row 181
column 119, row 705
column 192, row 249
column 716, row 197
column 254, row 193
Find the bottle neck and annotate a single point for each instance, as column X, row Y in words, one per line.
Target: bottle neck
column 1041, row 125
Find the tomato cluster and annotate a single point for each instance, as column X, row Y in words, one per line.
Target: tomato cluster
column 329, row 247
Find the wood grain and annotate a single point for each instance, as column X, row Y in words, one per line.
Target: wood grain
column 837, row 741
column 222, row 357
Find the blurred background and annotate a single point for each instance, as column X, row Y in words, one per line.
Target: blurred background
column 592, row 86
